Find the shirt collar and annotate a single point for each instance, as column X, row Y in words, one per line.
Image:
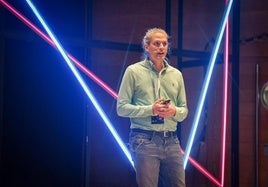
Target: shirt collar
column 151, row 64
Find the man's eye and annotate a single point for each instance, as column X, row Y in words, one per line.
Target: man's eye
column 158, row 44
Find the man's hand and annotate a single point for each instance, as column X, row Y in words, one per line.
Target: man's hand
column 163, row 110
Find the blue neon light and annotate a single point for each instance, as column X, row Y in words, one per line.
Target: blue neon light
column 206, row 82
column 82, row 83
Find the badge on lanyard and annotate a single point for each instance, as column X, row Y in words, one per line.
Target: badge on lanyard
column 157, row 120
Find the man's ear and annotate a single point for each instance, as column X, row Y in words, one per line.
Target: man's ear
column 146, row 48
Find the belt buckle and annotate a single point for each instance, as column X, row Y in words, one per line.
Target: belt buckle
column 165, row 134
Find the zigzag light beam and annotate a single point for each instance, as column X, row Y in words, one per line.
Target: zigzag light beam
column 81, row 81
column 206, row 82
column 104, row 86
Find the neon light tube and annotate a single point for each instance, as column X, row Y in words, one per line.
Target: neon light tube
column 49, row 41
column 203, row 171
column 46, row 38
column 225, row 102
column 82, row 82
column 206, row 83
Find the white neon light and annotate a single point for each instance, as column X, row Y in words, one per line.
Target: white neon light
column 82, row 83
column 206, row 83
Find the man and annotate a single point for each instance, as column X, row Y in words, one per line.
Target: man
column 152, row 95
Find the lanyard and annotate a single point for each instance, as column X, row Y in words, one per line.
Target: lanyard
column 156, row 90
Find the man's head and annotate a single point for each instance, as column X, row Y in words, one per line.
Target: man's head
column 155, row 44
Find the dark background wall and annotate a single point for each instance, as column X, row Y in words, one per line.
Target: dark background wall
column 51, row 134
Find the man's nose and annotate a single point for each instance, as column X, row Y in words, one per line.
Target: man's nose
column 162, row 45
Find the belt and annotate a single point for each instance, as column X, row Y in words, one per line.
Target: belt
column 164, row 134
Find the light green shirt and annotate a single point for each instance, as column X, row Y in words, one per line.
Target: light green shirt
column 137, row 95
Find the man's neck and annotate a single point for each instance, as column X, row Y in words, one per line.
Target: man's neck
column 159, row 65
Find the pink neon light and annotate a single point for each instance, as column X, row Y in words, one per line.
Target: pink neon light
column 224, row 117
column 203, row 171
column 225, row 100
column 114, row 94
column 47, row 39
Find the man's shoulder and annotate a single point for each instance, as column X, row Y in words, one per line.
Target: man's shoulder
column 138, row 65
column 173, row 69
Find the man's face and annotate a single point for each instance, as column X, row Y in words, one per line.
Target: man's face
column 158, row 47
